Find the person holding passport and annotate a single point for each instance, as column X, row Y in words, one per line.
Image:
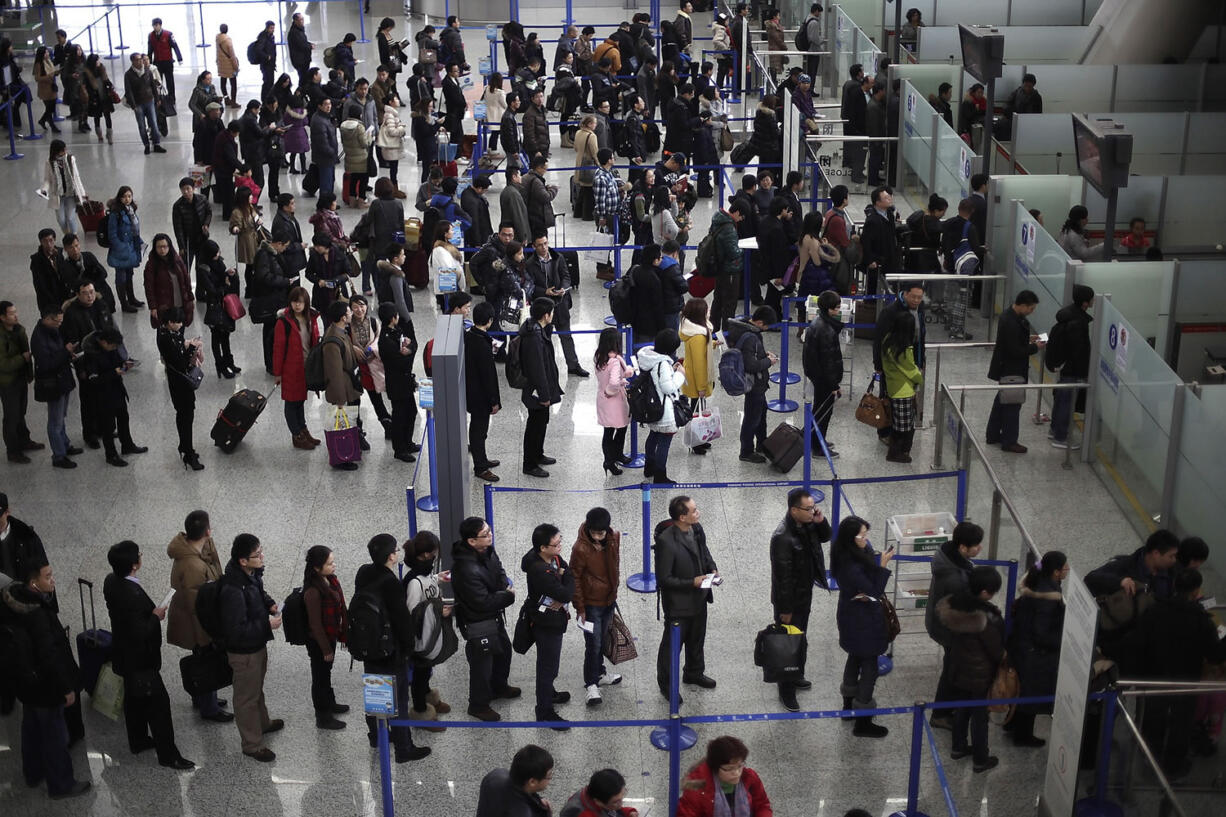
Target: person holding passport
column 686, row 572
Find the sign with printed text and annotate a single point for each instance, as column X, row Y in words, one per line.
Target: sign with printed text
column 1121, row 349
column 911, row 105
column 379, row 695
column 1072, row 686
column 964, row 164
column 1030, row 235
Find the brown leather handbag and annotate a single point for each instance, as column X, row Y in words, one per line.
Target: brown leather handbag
column 873, row 410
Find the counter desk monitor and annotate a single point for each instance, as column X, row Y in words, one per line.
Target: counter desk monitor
column 1104, row 153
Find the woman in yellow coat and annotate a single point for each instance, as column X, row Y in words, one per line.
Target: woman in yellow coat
column 697, row 337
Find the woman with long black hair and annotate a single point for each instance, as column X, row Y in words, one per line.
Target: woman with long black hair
column 1034, row 642
column 216, row 281
column 180, row 356
column 612, row 408
column 668, row 375
column 861, row 621
column 167, row 283
column 327, row 624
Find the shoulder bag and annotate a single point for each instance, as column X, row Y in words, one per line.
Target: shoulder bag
column 1011, row 397
column 873, row 410
column 618, row 644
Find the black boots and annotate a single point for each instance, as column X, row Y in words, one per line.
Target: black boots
column 127, row 297
column 900, row 446
column 192, row 460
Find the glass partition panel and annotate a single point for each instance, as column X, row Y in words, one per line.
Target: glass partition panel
column 1193, row 214
column 1133, row 403
column 844, row 44
column 970, row 12
column 1202, row 291
column 917, row 138
column 1072, row 87
column 1149, row 88
column 864, row 13
column 1200, row 492
column 1050, row 195
column 1142, row 198
column 1136, row 290
column 1040, row 265
column 927, row 78
column 955, row 163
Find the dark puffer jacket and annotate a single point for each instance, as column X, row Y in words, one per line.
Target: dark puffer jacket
column 823, row 357
column 480, row 584
column 950, row 574
column 797, row 562
column 1077, row 341
column 977, row 641
column 1034, row 644
column 244, row 610
column 547, row 580
column 55, row 670
column 860, row 618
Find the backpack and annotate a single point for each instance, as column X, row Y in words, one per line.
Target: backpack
column 370, row 631
column 732, row 374
column 645, row 403
column 623, row 144
column 208, row 609
column 102, row 233
column 621, row 298
column 254, row 56
column 427, row 358
column 516, row 378
column 707, row 251
column 314, row 368
column 802, row 36
column 434, row 637
column 294, row 618
column 1055, row 354
column 651, row 138
column 330, row 57
column 965, row 260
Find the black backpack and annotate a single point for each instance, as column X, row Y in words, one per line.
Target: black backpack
column 316, row 380
column 621, row 298
column 253, row 53
column 645, row 403
column 516, row 378
column 802, row 36
column 208, row 609
column 294, row 618
column 370, row 631
column 104, row 237
column 1055, row 354
column 707, row 252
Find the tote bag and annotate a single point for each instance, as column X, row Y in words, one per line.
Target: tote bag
column 234, row 307
column 107, row 696
column 618, row 644
column 344, row 441
column 704, row 427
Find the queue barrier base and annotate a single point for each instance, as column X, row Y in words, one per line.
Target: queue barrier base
column 609, row 320
column 793, row 378
column 642, row 582
column 686, row 738
column 885, row 665
column 427, row 503
column 785, row 406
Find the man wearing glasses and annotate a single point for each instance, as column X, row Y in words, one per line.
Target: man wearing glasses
column 796, row 564
column 248, row 617
column 482, row 592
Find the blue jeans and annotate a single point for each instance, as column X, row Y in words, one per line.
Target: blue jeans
column 44, row 748
column 593, row 659
column 295, row 415
column 57, row 434
column 66, row 215
column 147, row 123
column 327, row 178
column 1062, row 402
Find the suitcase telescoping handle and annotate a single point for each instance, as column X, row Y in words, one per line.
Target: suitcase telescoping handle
column 81, row 585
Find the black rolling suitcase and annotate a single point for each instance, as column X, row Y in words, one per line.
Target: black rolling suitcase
column 93, row 645
column 785, row 446
column 237, row 418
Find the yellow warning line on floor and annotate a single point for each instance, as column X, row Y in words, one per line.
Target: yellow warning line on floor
column 1146, row 520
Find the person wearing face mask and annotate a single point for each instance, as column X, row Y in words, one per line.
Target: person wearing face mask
column 327, row 624
column 421, row 586
column 594, row 562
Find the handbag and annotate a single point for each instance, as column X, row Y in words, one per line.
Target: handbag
column 726, row 140
column 234, row 306
column 483, row 635
column 892, row 625
column 683, row 411
column 780, row 651
column 264, row 308
column 1011, row 397
column 705, row 427
column 1006, row 684
column 355, row 263
column 1119, row 610
column 524, row 637
column 194, row 375
column 344, row 442
column 429, row 56
column 205, row 670
column 107, row 696
column 873, row 410
column 617, row 643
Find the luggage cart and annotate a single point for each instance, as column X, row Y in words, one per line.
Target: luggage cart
column 914, row 534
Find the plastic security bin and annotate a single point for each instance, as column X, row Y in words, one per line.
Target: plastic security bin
column 922, row 531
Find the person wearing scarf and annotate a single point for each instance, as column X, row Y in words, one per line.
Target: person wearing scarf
column 723, row 786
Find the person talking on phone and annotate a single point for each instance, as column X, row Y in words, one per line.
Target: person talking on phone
column 551, row 277
column 796, row 564
column 686, row 572
column 862, row 575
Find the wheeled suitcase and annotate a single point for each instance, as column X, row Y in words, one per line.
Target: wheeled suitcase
column 572, row 264
column 417, row 269
column 237, row 418
column 784, row 447
column 345, row 188
column 93, row 645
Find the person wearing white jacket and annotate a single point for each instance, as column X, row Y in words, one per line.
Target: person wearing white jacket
column 62, row 186
column 390, row 140
column 668, row 374
column 446, row 265
column 421, row 584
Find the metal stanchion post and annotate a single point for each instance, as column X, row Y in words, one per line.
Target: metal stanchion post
column 1097, row 805
column 489, row 508
column 645, row 582
column 430, row 503
column 808, row 457
column 361, row 22
column 410, row 501
column 783, row 404
column 110, row 46
column 637, row 460
column 913, row 775
column 31, row 136
column 676, row 737
column 13, row 154
column 385, row 770
column 200, row 9
column 747, row 274
column 616, row 257
column 119, row 25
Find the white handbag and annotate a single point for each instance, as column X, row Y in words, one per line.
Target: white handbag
column 704, row 427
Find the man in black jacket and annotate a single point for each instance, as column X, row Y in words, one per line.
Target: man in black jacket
column 325, row 151
column 493, row 251
column 474, row 203
column 647, row 295
column 536, row 128
column 542, row 390
column 85, row 314
column 225, row 163
column 272, row 280
column 300, row 48
column 853, row 111
column 137, row 658
column 191, row 216
column 879, row 239
column 1073, row 332
column 775, row 252
column 46, row 684
column 482, row 593
column 50, row 289
column 1015, row 343
column 285, row 223
column 539, row 195
column 481, row 388
column 454, row 104
column 747, row 336
column 1146, row 570
column 551, row 277
column 378, row 579
column 683, row 565
column 508, row 132
column 549, row 577
column 266, row 47
column 75, row 265
column 796, row 563
column 253, row 139
column 20, row 546
column 823, row 363
column 681, row 121
column 248, row 617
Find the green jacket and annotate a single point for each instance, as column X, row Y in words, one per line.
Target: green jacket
column 727, row 250
column 13, row 364
column 902, row 376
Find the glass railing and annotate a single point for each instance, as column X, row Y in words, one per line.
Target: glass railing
column 936, row 160
column 1199, row 490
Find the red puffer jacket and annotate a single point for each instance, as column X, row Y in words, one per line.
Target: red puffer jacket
column 288, row 358
column 701, row 789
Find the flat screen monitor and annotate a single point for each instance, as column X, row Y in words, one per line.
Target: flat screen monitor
column 983, row 52
column 1104, row 153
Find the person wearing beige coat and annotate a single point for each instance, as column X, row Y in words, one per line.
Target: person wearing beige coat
column 227, row 66
column 195, row 562
column 340, row 365
column 586, row 147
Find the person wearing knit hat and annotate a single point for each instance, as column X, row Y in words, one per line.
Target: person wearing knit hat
column 1068, row 349
column 377, row 585
column 594, row 561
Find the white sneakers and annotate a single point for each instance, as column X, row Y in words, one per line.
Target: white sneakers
column 609, row 679
column 593, row 695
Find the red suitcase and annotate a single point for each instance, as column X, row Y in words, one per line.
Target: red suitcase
column 417, row 269
column 345, row 189
column 90, row 213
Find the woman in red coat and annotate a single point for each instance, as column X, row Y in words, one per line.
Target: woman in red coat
column 167, row 283
column 295, row 333
column 723, row 786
